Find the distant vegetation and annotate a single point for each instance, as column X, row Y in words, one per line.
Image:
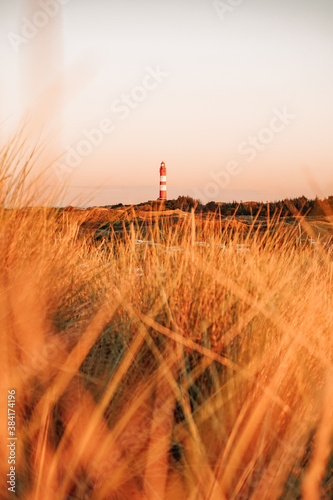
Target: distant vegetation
column 287, row 207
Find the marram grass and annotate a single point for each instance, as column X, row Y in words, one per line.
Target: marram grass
column 166, row 371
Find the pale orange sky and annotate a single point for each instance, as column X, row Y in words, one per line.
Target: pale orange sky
column 258, row 73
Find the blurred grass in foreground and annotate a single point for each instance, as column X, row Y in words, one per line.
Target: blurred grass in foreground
column 170, row 371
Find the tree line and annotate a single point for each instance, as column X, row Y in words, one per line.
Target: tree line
column 286, row 207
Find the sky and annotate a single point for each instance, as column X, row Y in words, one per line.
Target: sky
column 234, row 96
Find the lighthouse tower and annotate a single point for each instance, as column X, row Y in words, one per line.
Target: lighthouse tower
column 163, row 188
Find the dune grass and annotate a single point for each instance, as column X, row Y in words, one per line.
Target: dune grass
column 165, row 371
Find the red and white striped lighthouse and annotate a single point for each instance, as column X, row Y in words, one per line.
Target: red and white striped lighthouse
column 163, row 188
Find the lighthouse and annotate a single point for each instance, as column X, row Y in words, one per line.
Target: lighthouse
column 163, row 189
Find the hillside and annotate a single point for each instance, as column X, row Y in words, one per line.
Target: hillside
column 312, row 217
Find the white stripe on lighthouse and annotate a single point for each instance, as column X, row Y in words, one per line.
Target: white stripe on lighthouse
column 163, row 187
column 163, row 178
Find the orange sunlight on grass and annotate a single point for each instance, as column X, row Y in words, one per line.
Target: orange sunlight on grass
column 165, row 371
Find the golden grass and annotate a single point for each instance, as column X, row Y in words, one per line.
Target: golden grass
column 166, row 371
